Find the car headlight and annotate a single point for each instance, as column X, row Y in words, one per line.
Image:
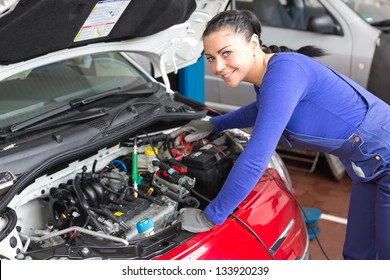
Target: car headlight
column 277, row 163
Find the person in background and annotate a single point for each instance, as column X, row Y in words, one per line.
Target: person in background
column 307, row 104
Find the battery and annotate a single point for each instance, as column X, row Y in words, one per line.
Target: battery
column 210, row 165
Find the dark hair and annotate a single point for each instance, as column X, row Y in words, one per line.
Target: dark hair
column 245, row 23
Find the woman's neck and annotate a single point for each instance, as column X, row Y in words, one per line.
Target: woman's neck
column 260, row 67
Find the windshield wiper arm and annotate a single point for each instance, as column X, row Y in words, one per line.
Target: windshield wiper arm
column 76, row 103
column 41, row 117
column 73, row 117
column 77, row 116
column 117, row 91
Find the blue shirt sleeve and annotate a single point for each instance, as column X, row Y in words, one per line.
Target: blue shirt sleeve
column 241, row 118
column 284, row 84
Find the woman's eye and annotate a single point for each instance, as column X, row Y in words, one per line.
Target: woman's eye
column 209, row 59
column 227, row 53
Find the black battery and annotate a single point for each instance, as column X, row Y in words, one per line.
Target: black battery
column 210, row 165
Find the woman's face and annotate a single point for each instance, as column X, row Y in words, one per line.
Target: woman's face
column 230, row 55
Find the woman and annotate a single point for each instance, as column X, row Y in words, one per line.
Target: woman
column 309, row 105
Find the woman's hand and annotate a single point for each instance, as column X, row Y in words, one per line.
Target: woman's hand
column 200, row 129
column 194, row 220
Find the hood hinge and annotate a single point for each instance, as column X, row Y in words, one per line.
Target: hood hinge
column 167, row 60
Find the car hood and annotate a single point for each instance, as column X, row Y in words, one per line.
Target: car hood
column 38, row 32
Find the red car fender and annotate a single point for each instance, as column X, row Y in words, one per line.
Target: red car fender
column 268, row 210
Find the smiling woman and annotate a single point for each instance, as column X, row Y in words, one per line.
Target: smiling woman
column 223, row 44
column 308, row 105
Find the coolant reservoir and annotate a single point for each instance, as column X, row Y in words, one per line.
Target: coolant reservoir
column 146, row 227
column 150, row 156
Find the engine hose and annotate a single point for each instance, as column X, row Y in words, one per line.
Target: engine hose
column 127, row 188
column 109, row 189
column 67, row 230
column 72, row 209
column 191, row 202
column 121, row 163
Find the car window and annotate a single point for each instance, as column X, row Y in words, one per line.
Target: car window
column 38, row 90
column 371, row 11
column 307, row 15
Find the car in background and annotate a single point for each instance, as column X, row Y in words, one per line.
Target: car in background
column 354, row 33
column 87, row 167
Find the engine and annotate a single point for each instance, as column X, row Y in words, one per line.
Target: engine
column 122, row 194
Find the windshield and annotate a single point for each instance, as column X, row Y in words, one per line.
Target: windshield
column 371, row 10
column 39, row 90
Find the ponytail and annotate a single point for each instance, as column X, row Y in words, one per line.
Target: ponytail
column 311, row 51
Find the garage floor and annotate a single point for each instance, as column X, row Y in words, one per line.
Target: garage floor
column 319, row 189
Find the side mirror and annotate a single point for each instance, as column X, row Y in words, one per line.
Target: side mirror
column 324, row 24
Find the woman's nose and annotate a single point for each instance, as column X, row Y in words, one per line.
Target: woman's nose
column 219, row 65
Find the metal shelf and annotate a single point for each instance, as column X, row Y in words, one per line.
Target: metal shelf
column 306, row 160
column 299, row 159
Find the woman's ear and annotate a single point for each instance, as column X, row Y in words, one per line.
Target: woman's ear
column 255, row 42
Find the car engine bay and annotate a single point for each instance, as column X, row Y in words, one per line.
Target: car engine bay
column 119, row 197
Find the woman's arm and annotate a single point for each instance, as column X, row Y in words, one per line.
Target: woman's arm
column 241, row 118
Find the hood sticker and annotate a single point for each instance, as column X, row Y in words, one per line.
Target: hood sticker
column 102, row 19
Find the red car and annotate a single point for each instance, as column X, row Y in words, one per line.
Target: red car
column 85, row 148
column 269, row 226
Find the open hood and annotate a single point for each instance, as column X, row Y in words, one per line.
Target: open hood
column 168, row 32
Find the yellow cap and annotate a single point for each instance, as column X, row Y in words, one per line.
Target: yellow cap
column 149, row 151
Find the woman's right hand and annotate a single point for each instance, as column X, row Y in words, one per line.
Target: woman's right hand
column 200, row 129
column 194, row 220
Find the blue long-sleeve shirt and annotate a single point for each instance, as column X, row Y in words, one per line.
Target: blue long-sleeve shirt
column 297, row 93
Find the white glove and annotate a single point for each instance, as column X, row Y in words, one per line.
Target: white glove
column 200, row 129
column 194, row 220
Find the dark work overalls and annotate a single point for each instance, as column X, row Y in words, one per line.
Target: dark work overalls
column 366, row 157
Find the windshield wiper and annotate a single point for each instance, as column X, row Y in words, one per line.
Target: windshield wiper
column 117, row 91
column 41, row 117
column 76, row 103
column 72, row 117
